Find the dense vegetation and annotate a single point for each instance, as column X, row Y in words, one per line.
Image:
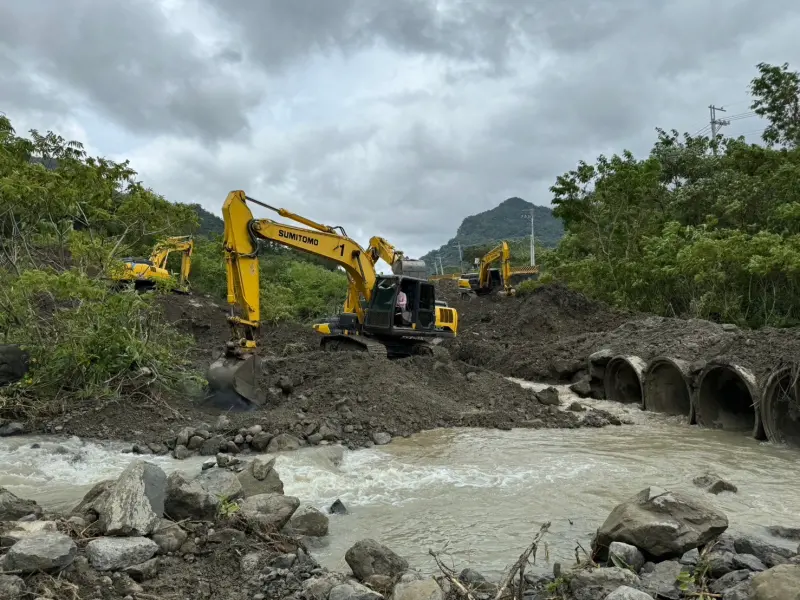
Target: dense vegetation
column 66, row 220
column 689, row 231
column 508, row 221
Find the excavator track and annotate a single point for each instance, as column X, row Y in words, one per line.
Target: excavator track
column 350, row 343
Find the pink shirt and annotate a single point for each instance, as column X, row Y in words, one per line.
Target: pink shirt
column 401, row 300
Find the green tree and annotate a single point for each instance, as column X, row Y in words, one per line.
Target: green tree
column 776, row 97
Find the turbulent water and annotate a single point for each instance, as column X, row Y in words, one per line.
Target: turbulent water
column 478, row 495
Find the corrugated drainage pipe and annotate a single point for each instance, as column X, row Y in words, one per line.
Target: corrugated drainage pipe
column 728, row 398
column 623, row 380
column 667, row 387
column 780, row 409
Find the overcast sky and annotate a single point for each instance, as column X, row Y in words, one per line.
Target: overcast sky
column 389, row 117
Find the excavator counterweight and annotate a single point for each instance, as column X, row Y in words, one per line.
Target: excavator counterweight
column 386, row 315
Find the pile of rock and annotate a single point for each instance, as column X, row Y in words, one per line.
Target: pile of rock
column 126, row 531
column 206, row 440
column 662, row 544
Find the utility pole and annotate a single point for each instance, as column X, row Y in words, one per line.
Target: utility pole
column 533, row 236
column 460, row 258
column 716, row 124
column 441, row 268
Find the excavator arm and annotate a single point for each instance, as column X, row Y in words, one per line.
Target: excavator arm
column 162, row 250
column 501, row 252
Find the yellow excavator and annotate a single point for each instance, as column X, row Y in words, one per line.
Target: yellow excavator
column 487, row 280
column 144, row 273
column 379, row 248
column 378, row 327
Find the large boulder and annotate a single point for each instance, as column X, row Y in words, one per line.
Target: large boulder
column 273, row 510
column 220, row 483
column 309, row 521
column 87, row 507
column 367, row 557
column 662, row 580
column 134, row 505
column 114, row 554
column 283, row 442
column 769, row 554
column 778, row 583
column 12, row 507
column 260, row 477
column 626, row 555
column 42, row 552
column 426, row 589
column 661, row 524
column 187, row 499
column 625, row 592
column 352, row 591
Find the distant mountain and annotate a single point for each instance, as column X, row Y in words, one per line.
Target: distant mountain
column 209, row 222
column 504, row 222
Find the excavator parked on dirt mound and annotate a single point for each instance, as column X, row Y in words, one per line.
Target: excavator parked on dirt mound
column 376, row 325
column 145, row 273
column 488, row 280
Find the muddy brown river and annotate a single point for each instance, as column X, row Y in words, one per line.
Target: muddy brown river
column 478, row 494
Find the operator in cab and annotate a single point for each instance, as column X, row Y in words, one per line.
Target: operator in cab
column 401, row 308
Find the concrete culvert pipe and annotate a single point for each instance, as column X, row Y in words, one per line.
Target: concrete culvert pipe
column 623, row 380
column 727, row 397
column 666, row 387
column 780, row 409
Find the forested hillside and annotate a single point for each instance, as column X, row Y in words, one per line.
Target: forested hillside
column 510, row 221
column 687, row 231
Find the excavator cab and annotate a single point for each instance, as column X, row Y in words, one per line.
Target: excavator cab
column 386, row 317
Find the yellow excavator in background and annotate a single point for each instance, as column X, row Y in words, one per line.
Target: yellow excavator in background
column 377, row 327
column 487, row 279
column 144, row 273
column 380, row 249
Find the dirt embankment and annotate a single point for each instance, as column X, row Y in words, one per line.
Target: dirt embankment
column 549, row 334
column 315, row 395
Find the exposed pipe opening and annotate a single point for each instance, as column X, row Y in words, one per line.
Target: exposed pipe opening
column 666, row 387
column 623, row 380
column 780, row 409
column 727, row 398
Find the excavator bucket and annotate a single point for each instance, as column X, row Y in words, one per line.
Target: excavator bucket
column 232, row 379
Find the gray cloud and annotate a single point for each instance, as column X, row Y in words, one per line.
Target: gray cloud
column 463, row 103
column 125, row 61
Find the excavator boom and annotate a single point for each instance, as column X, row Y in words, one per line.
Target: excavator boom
column 501, row 252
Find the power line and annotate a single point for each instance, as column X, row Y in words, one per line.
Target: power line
column 716, row 124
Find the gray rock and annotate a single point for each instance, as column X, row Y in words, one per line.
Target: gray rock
column 352, row 591
column 12, row 507
column 86, row 508
column 598, row 361
column 195, row 442
column 208, row 463
column 661, row 524
column 182, row 452
column 223, row 423
column 720, row 563
column 11, row 587
column 789, row 533
column 748, row 561
column 714, row 484
column 368, row 557
column 598, row 583
column 770, row 554
column 309, row 521
column 42, row 552
column 338, row 508
column 13, row 531
column 629, row 555
column 188, row 499
column 184, row 435
column 227, row 536
column 476, row 582
column 260, row 477
column 628, row 593
column 582, row 388
column 212, row 445
column 13, row 428
column 320, row 586
column 743, row 591
column 169, row 537
column 134, row 505
column 778, row 583
column 270, row 509
column 220, row 483
column 114, row 554
column 381, row 438
column 577, row 407
column 260, row 440
column 730, row 580
column 662, row 581
column 283, row 442
column 548, row 396
column 691, row 558
column 144, row 571
column 314, row 438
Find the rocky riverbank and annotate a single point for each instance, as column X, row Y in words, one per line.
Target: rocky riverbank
column 230, row 533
